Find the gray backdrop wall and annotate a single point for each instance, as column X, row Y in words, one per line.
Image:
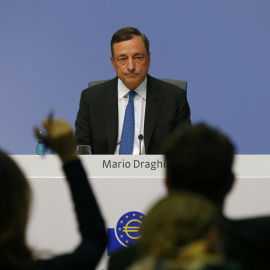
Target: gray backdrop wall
column 49, row 50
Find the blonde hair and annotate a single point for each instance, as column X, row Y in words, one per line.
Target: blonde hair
column 176, row 221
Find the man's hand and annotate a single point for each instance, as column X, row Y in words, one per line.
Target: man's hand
column 59, row 138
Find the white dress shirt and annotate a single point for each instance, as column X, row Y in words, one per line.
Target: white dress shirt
column 139, row 112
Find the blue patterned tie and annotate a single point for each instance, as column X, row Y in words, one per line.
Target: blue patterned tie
column 127, row 137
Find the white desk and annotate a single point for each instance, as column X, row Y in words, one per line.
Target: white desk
column 131, row 186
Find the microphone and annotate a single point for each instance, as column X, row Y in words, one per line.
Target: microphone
column 140, row 137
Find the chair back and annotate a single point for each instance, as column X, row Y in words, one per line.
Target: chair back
column 179, row 83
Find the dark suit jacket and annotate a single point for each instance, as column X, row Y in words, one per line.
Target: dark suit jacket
column 246, row 241
column 97, row 118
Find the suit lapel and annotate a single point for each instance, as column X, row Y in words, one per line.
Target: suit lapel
column 153, row 102
column 110, row 112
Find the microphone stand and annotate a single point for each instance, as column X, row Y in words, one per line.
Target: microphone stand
column 140, row 137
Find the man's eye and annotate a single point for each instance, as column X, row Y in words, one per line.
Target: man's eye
column 139, row 58
column 122, row 60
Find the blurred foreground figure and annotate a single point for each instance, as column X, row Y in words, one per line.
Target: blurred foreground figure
column 15, row 200
column 176, row 238
column 199, row 159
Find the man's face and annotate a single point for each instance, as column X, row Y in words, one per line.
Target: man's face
column 131, row 61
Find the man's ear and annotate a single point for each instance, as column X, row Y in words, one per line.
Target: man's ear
column 112, row 61
column 167, row 185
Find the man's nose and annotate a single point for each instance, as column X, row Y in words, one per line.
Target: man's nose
column 131, row 65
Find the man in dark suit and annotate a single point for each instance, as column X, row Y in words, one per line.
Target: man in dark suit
column 158, row 107
column 199, row 159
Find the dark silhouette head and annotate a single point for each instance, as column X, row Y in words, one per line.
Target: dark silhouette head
column 199, row 159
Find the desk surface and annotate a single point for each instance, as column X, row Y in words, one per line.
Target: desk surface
column 122, row 184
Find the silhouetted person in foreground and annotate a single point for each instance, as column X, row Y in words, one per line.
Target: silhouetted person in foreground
column 199, row 159
column 173, row 238
column 15, row 200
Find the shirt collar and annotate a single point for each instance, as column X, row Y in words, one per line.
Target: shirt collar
column 140, row 90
